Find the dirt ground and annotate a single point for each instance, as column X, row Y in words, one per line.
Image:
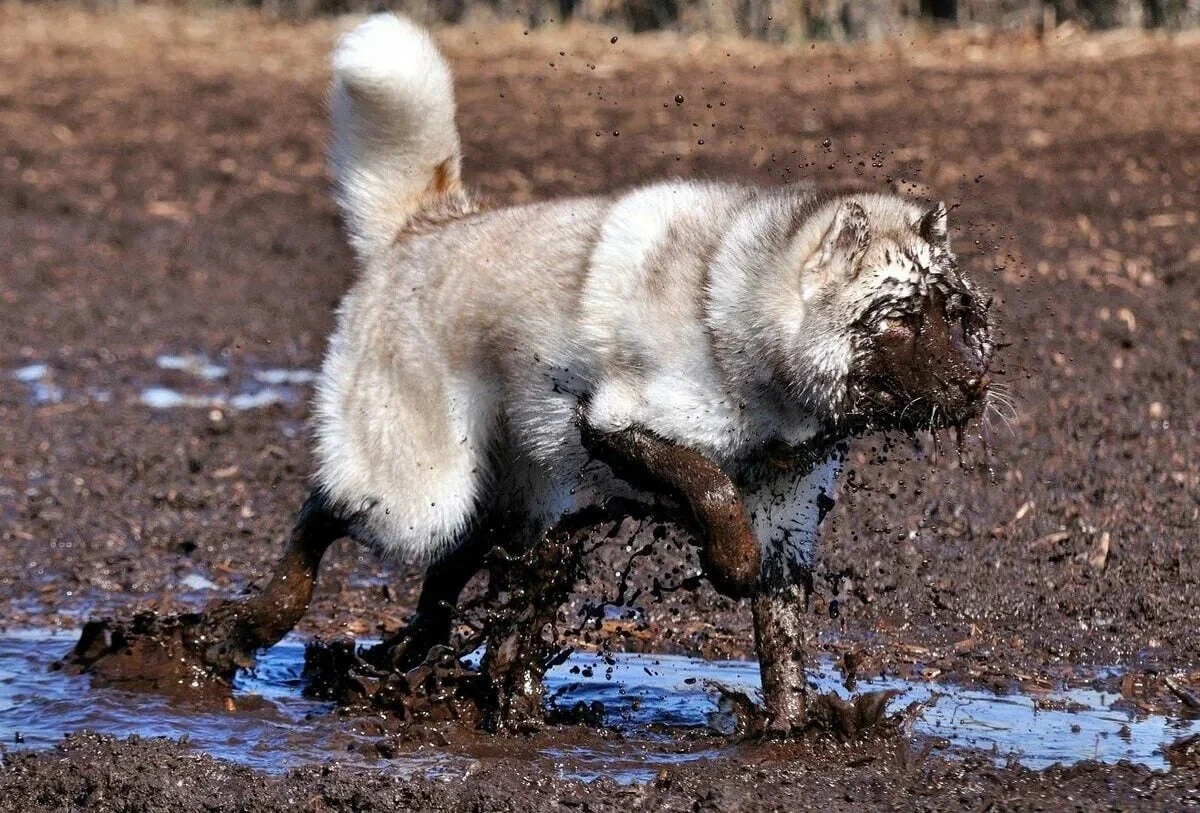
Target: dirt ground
column 162, row 191
column 102, row 774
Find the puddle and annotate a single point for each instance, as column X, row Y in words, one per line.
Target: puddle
column 274, row 385
column 261, row 398
column 194, row 581
column 261, row 388
column 192, row 364
column 275, row 728
column 164, row 398
column 245, row 388
column 31, row 373
column 39, row 378
column 277, row 377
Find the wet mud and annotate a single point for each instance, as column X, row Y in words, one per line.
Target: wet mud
column 172, row 261
column 411, row 675
column 148, row 652
column 641, row 722
column 516, row 625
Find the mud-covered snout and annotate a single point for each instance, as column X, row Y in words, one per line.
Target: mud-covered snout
column 928, row 368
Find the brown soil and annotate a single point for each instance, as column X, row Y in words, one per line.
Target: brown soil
column 88, row 772
column 163, row 191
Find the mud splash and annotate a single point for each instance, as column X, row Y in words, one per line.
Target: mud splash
column 656, row 711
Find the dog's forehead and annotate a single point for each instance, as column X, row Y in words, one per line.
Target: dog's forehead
column 901, row 274
column 893, row 271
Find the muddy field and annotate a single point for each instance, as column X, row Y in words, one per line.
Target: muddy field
column 171, row 260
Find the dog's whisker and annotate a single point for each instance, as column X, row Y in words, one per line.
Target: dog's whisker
column 992, row 412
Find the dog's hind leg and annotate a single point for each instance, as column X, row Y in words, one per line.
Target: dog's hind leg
column 207, row 648
column 433, row 622
column 230, row 631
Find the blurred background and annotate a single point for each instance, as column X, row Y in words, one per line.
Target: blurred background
column 773, row 20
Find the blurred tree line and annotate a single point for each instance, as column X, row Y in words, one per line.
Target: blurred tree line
column 775, row 20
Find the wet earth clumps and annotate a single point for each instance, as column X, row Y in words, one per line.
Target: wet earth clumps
column 516, row 620
column 440, row 689
column 519, row 629
column 863, row 718
column 189, row 653
column 147, row 651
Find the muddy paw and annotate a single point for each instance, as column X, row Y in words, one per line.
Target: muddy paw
column 169, row 653
column 223, row 637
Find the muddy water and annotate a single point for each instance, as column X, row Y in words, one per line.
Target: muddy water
column 648, row 702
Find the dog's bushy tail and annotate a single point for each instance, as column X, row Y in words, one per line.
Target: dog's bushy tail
column 395, row 149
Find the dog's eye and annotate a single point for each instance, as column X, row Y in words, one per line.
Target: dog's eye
column 898, row 327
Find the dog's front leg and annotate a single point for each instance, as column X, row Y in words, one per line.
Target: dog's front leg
column 786, row 506
column 731, row 553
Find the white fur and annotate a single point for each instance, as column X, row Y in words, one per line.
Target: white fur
column 466, row 354
column 785, row 512
column 392, row 105
column 682, row 394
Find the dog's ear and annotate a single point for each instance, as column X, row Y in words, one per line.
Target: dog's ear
column 932, row 225
column 845, row 241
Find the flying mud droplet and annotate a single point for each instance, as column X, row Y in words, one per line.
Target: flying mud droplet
column 678, row 98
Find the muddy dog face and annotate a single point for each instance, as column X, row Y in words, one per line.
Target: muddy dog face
column 923, row 349
column 921, row 369
column 876, row 327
